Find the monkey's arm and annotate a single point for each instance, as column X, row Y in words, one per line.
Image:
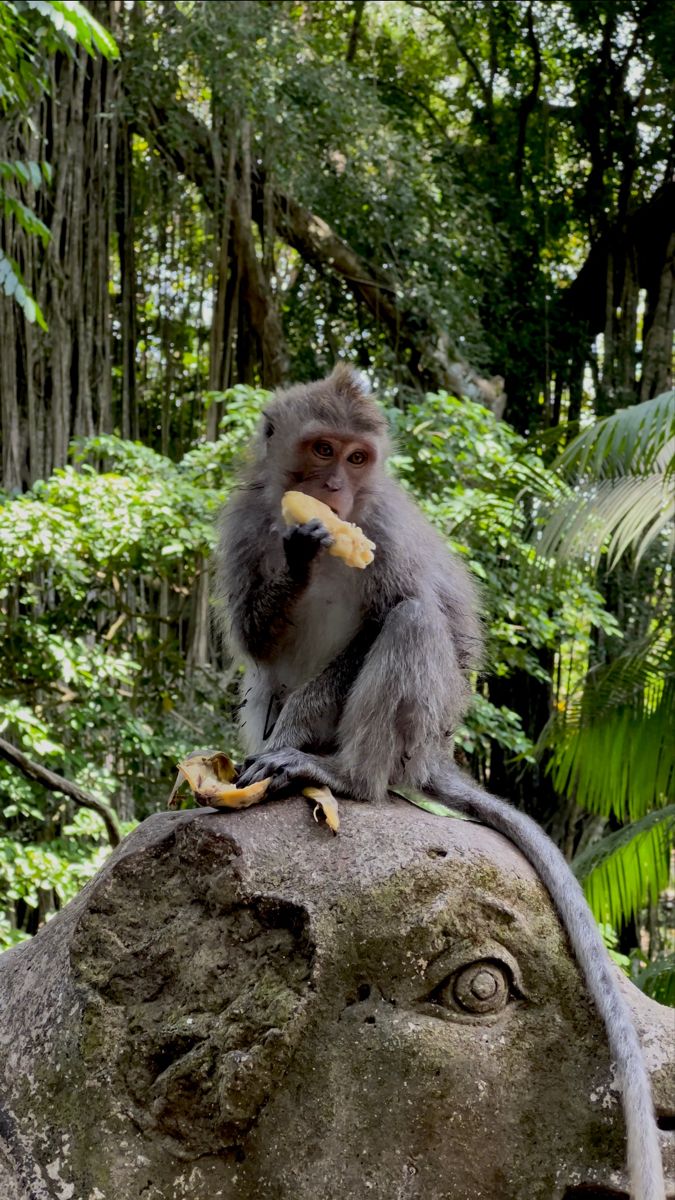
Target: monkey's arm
column 263, row 582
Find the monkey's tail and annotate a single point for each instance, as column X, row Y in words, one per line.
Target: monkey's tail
column 645, row 1166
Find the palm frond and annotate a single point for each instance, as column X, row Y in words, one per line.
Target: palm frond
column 626, row 513
column 631, row 440
column 623, row 496
column 658, row 980
column 624, row 870
column 611, row 747
column 615, row 765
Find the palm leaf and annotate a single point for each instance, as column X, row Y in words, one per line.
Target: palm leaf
column 626, row 869
column 626, row 513
column 623, row 498
column 631, row 440
column 611, row 747
column 616, row 764
column 658, row 980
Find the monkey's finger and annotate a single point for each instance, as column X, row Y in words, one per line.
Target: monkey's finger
column 318, row 533
column 314, row 530
column 257, row 770
column 274, row 778
column 279, row 782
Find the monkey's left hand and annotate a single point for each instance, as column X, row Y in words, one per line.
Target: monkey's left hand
column 282, row 767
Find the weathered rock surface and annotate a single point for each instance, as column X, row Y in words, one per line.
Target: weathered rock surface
column 242, row 1006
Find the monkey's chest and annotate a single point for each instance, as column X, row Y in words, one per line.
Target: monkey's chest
column 324, row 622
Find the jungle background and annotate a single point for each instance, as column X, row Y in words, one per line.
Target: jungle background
column 470, row 201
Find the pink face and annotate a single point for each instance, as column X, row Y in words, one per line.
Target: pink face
column 334, row 469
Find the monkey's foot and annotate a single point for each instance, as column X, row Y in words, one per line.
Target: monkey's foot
column 283, row 768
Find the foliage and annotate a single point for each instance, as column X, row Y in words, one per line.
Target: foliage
column 48, row 874
column 611, row 742
column 624, row 500
column 470, row 473
column 95, row 683
column 658, row 980
column 628, row 868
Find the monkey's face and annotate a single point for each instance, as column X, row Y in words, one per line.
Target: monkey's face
column 327, row 439
column 335, row 468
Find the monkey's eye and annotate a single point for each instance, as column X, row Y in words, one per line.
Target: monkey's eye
column 323, row 449
column 269, row 429
column 358, row 459
column 480, row 988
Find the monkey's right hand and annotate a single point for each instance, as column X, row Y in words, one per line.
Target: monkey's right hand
column 302, row 543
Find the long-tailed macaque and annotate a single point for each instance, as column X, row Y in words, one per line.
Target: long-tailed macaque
column 356, row 679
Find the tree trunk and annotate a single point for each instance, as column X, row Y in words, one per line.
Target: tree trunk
column 657, row 354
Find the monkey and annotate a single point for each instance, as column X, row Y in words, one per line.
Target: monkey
column 356, row 679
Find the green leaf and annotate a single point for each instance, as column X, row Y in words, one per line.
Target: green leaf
column 73, row 19
column 628, row 868
column 658, row 980
column 420, row 800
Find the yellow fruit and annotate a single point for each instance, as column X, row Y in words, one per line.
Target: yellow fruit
column 350, row 543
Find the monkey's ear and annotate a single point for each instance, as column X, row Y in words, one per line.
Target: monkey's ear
column 347, row 381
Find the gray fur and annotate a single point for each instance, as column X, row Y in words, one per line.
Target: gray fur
column 357, row 680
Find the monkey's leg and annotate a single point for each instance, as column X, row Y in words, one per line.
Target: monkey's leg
column 258, row 710
column 404, row 703
column 310, row 716
column 645, row 1166
column 403, row 699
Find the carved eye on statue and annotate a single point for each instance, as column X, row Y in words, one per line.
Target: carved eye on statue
column 358, row 459
column 482, row 988
column 323, row 449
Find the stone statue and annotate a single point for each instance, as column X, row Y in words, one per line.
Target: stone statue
column 243, row 1006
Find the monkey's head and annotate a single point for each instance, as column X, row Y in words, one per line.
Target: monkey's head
column 327, row 439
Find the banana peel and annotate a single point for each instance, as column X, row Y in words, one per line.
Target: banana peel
column 211, row 776
column 324, row 800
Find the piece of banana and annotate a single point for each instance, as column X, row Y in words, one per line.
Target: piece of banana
column 350, row 544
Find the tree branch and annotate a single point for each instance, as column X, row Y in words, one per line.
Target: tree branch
column 185, row 141
column 56, row 783
column 444, row 18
